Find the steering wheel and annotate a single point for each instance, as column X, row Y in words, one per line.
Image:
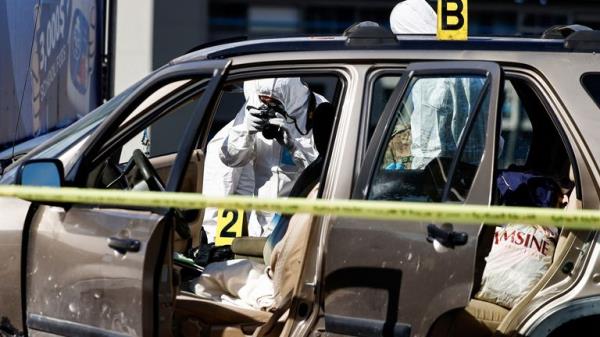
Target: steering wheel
column 147, row 171
column 152, row 179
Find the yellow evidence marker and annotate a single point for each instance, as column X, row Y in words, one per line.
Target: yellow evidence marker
column 452, row 20
column 230, row 225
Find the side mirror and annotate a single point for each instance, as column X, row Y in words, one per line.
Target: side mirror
column 41, row 172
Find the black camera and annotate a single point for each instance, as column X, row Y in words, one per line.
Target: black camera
column 268, row 111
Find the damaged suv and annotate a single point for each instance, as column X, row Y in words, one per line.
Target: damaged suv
column 93, row 270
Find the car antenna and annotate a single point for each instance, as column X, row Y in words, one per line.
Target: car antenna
column 38, row 9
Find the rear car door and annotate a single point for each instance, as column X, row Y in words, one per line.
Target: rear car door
column 100, row 270
column 434, row 143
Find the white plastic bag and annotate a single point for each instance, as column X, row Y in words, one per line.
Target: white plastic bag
column 519, row 257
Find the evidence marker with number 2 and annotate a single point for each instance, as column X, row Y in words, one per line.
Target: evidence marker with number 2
column 230, row 225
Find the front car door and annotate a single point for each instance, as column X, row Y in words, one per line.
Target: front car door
column 434, row 143
column 96, row 270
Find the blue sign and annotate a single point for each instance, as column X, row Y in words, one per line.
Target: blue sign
column 61, row 83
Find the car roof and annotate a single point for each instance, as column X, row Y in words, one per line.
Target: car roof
column 400, row 42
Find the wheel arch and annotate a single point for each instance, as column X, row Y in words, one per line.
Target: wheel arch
column 573, row 311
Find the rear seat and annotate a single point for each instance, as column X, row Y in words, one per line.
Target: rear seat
column 481, row 318
column 563, row 246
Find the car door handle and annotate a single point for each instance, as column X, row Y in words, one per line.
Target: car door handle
column 447, row 238
column 124, row 245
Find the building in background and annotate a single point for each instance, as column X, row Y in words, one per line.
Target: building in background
column 67, row 73
column 151, row 33
column 178, row 28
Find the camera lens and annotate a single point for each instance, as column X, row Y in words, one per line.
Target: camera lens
column 270, row 131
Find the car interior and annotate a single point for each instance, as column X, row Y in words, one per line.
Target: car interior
column 144, row 161
column 531, row 143
column 193, row 313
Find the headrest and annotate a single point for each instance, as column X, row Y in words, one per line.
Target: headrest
column 322, row 122
column 529, row 189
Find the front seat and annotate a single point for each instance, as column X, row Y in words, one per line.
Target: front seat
column 284, row 250
column 223, row 319
column 260, row 249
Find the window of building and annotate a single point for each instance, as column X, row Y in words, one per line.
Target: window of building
column 266, row 19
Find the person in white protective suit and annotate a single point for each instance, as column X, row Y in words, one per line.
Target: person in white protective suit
column 276, row 108
column 220, row 180
column 244, row 282
column 413, row 17
column 440, row 106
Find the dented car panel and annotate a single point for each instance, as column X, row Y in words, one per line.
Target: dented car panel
column 100, row 285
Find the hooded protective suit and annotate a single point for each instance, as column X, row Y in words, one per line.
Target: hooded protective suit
column 275, row 166
column 413, row 17
column 441, row 108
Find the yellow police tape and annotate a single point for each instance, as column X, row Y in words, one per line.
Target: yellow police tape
column 377, row 210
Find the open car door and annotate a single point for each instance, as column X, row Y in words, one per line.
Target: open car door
column 434, row 143
column 101, row 270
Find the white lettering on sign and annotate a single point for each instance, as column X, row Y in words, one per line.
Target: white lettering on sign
column 527, row 240
column 52, row 72
column 52, row 34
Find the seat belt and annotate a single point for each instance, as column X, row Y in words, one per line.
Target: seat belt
column 312, row 105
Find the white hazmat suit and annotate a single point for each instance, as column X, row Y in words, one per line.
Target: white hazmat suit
column 441, row 108
column 221, row 180
column 413, row 17
column 276, row 166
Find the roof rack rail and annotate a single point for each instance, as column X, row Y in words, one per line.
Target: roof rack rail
column 369, row 33
column 584, row 41
column 218, row 42
column 563, row 31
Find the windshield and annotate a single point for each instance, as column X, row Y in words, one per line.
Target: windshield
column 71, row 135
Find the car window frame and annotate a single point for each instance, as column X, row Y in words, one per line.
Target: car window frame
column 152, row 113
column 460, row 147
column 372, row 76
column 510, row 71
column 593, row 96
column 248, row 72
column 77, row 175
column 545, row 99
column 363, row 183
